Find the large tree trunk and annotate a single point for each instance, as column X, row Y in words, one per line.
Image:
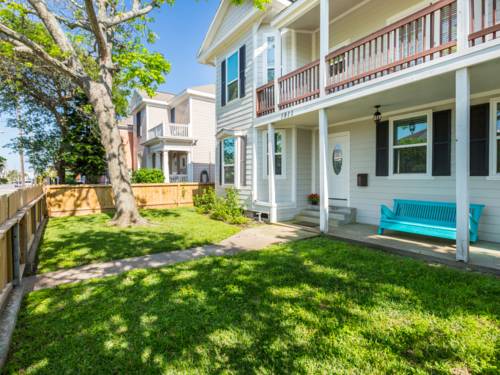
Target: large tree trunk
column 126, row 213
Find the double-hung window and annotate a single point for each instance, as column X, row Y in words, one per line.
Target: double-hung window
column 228, row 160
column 270, row 58
column 232, row 71
column 279, row 150
column 411, row 145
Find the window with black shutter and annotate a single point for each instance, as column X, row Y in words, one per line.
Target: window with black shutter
column 441, row 143
column 242, row 66
column 220, row 162
column 223, row 83
column 479, row 139
column 382, row 149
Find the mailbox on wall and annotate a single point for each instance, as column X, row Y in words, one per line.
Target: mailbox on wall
column 363, row 179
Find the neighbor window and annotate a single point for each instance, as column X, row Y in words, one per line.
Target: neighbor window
column 410, row 145
column 270, row 58
column 138, row 123
column 228, row 151
column 172, row 115
column 232, row 77
column 278, row 153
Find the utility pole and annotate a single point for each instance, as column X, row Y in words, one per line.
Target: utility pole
column 21, row 152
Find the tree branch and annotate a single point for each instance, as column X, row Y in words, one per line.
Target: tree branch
column 130, row 15
column 96, row 29
column 25, row 45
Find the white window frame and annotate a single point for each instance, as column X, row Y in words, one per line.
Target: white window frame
column 411, row 176
column 494, row 174
column 234, row 165
column 237, row 52
column 281, row 176
column 266, row 63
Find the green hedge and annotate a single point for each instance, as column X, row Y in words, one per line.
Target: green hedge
column 148, row 176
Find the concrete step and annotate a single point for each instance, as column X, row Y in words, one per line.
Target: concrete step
column 338, row 215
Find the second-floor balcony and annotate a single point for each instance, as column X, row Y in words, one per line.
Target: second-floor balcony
column 170, row 130
column 421, row 37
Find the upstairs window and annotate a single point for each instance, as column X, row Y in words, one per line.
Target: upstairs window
column 270, row 58
column 138, row 123
column 228, row 160
column 411, row 145
column 232, row 77
column 172, row 115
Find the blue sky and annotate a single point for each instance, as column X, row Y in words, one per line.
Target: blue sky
column 181, row 29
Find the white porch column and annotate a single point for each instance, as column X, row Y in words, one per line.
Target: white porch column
column 463, row 24
column 294, row 165
column 273, row 214
column 166, row 167
column 277, row 68
column 255, row 194
column 462, row 162
column 324, row 43
column 323, row 171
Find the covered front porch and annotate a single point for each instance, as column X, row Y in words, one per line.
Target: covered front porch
column 307, row 157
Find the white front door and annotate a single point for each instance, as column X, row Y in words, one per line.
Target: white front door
column 338, row 169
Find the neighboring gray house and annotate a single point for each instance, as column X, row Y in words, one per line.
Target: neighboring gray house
column 176, row 133
column 298, row 85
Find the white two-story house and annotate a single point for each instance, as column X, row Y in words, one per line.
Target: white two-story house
column 362, row 102
column 176, row 133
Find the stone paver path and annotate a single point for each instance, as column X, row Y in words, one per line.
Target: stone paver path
column 251, row 239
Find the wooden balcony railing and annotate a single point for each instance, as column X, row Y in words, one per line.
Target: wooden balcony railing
column 485, row 21
column 265, row 99
column 418, row 38
column 299, row 86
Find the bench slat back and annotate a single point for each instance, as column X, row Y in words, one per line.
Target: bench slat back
column 426, row 212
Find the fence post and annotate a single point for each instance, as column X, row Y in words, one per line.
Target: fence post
column 16, row 256
column 178, row 187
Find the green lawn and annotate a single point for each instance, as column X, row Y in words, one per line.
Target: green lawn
column 74, row 241
column 314, row 306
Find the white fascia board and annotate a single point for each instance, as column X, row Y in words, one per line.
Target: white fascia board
column 144, row 102
column 472, row 56
column 225, row 133
column 184, row 95
column 293, row 12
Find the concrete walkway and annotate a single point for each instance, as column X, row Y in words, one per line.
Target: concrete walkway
column 255, row 238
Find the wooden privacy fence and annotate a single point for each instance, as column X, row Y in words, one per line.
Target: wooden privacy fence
column 22, row 214
column 65, row 200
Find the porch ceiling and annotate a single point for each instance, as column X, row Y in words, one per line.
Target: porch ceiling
column 484, row 78
column 310, row 20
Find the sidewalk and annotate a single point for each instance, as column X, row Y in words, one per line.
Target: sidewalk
column 255, row 238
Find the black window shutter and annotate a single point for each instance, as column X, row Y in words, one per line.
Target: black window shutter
column 138, row 122
column 382, row 146
column 479, row 139
column 441, row 143
column 223, row 84
column 243, row 161
column 243, row 66
column 220, row 163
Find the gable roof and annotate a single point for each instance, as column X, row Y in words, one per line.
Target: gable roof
column 209, row 45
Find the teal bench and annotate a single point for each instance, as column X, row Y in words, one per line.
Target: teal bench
column 436, row 219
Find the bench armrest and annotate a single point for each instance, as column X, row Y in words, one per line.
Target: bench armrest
column 386, row 212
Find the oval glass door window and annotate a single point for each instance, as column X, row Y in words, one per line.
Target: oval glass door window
column 337, row 159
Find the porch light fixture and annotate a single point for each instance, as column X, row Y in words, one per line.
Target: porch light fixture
column 377, row 116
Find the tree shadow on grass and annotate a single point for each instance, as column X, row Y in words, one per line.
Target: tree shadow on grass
column 76, row 241
column 308, row 307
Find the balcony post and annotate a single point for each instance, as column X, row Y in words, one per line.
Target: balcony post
column 166, row 166
column 323, row 171
column 324, row 44
column 463, row 24
column 277, row 69
column 462, row 162
column 271, row 174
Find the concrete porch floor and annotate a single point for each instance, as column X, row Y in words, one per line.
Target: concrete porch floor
column 484, row 256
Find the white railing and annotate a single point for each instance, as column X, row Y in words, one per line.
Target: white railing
column 178, row 178
column 169, row 130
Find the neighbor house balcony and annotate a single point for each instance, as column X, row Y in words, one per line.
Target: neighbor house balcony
column 416, row 39
column 170, row 130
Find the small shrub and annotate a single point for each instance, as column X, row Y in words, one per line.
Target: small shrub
column 148, row 176
column 225, row 209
